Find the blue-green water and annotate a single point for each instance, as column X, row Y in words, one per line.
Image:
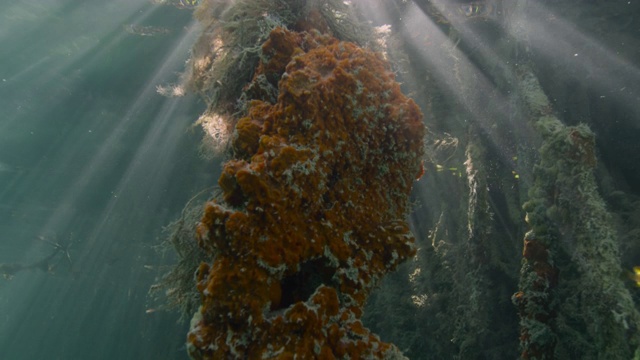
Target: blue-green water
column 90, row 153
column 94, row 163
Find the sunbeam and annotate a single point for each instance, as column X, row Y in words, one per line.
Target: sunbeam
column 422, row 179
column 90, row 156
column 562, row 43
column 466, row 67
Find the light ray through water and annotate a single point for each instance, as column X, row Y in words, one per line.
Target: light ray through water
column 562, row 43
column 90, row 154
column 96, row 163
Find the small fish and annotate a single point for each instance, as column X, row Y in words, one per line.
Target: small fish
column 476, row 9
column 145, row 30
column 180, row 4
column 189, row 4
column 8, row 270
column 6, row 168
column 9, row 169
column 635, row 276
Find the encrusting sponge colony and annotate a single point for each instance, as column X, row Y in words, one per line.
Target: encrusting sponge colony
column 314, row 206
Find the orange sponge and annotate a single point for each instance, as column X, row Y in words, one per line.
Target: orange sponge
column 314, row 207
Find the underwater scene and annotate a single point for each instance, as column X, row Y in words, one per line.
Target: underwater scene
column 320, row 179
